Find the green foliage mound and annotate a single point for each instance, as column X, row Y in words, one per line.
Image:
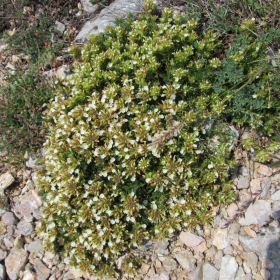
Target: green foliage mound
column 137, row 147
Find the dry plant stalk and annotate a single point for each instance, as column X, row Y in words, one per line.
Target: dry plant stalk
column 159, row 139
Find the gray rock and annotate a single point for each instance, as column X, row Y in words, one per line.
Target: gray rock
column 117, row 9
column 162, row 244
column 38, row 214
column 276, row 210
column 2, row 272
column 190, row 239
column 210, row 272
column 6, row 180
column 257, row 213
column 3, row 254
column 35, row 247
column 221, row 239
column 265, row 185
column 42, row 271
column 252, row 260
column 29, row 275
column 240, row 274
column 88, row 7
column 243, row 182
column 15, row 262
column 59, row 27
column 228, row 269
column 186, row 260
column 197, row 273
column 9, row 218
column 276, row 195
column 25, row 228
column 169, row 264
column 163, row 276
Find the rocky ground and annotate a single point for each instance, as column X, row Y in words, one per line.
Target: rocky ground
column 241, row 244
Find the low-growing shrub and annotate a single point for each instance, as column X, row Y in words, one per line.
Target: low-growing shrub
column 138, row 146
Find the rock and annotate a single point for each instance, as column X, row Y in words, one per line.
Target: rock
column 25, row 228
column 186, row 260
column 163, row 276
column 35, row 247
column 210, row 272
column 169, row 264
column 29, row 275
column 27, row 203
column 244, row 196
column 62, row 72
column 2, row 272
column 240, row 274
column 265, row 170
column 18, row 242
column 196, row 274
column 221, row 239
column 3, row 228
column 3, row 254
column 243, row 182
column 229, row 268
column 190, row 239
column 9, row 218
column 59, row 27
column 255, row 186
column 42, row 271
column 88, row 7
column 15, row 262
column 276, row 195
column 199, row 249
column 117, row 9
column 6, row 180
column 252, row 260
column 38, row 214
column 265, row 185
column 250, row 232
column 232, row 209
column 257, row 213
column 162, row 244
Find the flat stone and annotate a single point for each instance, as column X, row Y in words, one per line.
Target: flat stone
column 244, row 196
column 162, row 244
column 229, row 268
column 265, row 170
column 35, row 247
column 15, row 262
column 9, row 218
column 6, row 180
column 186, row 260
column 265, row 185
column 255, row 186
column 42, row 271
column 3, row 254
column 117, row 9
column 190, row 239
column 25, row 228
column 27, row 204
column 243, row 182
column 210, row 272
column 257, row 213
column 232, row 209
column 169, row 264
column 276, row 195
column 252, row 260
column 29, row 275
column 221, row 239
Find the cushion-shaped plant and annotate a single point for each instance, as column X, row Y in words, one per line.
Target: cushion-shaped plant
column 130, row 154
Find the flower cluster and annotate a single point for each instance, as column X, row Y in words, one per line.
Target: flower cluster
column 129, row 154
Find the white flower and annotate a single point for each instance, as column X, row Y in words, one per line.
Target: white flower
column 146, row 88
column 188, row 212
column 210, row 166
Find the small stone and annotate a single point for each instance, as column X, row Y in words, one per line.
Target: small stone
column 201, row 248
column 169, row 264
column 9, row 218
column 6, row 180
column 62, row 72
column 255, row 186
column 229, row 268
column 243, row 182
column 265, row 170
column 15, row 261
column 3, row 254
column 190, row 239
column 265, row 185
column 246, row 267
column 38, row 214
column 3, row 228
column 18, row 243
column 25, row 228
column 244, row 196
column 162, row 244
column 210, row 272
column 197, row 273
column 42, row 271
column 60, row 27
column 163, row 276
column 276, row 195
column 218, row 259
column 88, row 7
column 252, row 260
column 144, row 268
column 232, row 209
column 250, row 232
column 240, row 273
column 35, row 247
column 2, row 272
column 221, row 239
column 186, row 260
column 29, row 275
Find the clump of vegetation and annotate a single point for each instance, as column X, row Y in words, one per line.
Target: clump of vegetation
column 139, row 145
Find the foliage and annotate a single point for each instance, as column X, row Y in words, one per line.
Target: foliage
column 138, row 145
column 21, row 106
